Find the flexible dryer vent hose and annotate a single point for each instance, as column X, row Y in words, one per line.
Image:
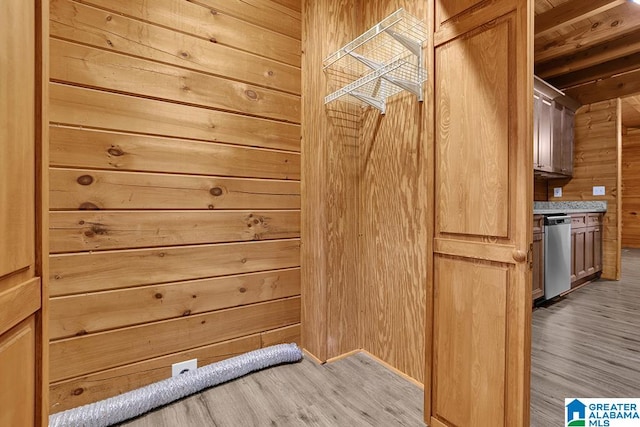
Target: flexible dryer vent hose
column 137, row 402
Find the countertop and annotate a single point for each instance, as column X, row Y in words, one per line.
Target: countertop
column 543, row 208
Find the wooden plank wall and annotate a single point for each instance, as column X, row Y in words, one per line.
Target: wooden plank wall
column 393, row 221
column 631, row 189
column 364, row 206
column 175, row 187
column 597, row 161
column 540, row 190
column 330, row 283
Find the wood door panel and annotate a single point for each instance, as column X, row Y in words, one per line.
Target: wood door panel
column 470, row 330
column 17, row 133
column 474, row 107
column 18, row 303
column 445, row 10
column 17, row 371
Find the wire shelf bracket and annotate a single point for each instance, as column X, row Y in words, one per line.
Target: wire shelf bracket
column 384, row 60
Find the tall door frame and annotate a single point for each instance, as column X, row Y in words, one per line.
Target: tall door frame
column 479, row 328
column 24, row 246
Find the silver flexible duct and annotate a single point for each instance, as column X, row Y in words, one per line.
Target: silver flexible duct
column 136, row 402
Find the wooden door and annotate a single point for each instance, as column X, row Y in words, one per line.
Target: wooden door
column 589, row 262
column 22, row 249
column 483, row 85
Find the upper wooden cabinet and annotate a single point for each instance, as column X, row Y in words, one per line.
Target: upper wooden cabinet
column 552, row 132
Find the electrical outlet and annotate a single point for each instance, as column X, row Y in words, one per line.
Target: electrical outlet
column 183, row 367
column 557, row 192
column 598, row 190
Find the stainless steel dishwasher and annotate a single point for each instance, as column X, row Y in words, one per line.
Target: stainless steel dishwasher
column 557, row 255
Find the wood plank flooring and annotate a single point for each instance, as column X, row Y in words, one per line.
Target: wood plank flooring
column 355, row 391
column 587, row 345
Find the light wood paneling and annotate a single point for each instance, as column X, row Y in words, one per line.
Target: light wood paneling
column 207, row 24
column 91, row 108
column 112, row 31
column 329, row 189
column 106, row 69
column 90, row 230
column 267, row 14
column 18, row 364
column 393, row 241
column 72, row 357
column 77, row 148
column 631, row 189
column 288, row 334
column 89, row 272
column 76, row 189
column 596, row 162
column 176, row 157
column 75, row 315
column 466, row 334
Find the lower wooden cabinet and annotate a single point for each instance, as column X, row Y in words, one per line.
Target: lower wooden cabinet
column 586, row 246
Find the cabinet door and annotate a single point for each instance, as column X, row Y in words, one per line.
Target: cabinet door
column 557, row 136
column 538, row 265
column 597, row 249
column 589, row 251
column 536, row 126
column 573, row 256
column 567, row 142
column 17, row 371
column 545, row 135
column 579, row 254
column 478, row 365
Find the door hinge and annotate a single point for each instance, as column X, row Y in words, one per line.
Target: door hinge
column 530, row 256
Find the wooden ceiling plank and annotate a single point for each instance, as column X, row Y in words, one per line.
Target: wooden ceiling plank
column 615, row 87
column 571, row 12
column 597, row 72
column 603, row 52
column 616, row 23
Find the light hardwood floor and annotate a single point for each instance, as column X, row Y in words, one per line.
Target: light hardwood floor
column 355, row 391
column 587, row 345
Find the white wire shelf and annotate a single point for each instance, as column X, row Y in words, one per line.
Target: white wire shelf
column 383, row 61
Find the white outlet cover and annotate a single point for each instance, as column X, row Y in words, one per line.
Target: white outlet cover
column 598, row 190
column 182, row 367
column 557, row 192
